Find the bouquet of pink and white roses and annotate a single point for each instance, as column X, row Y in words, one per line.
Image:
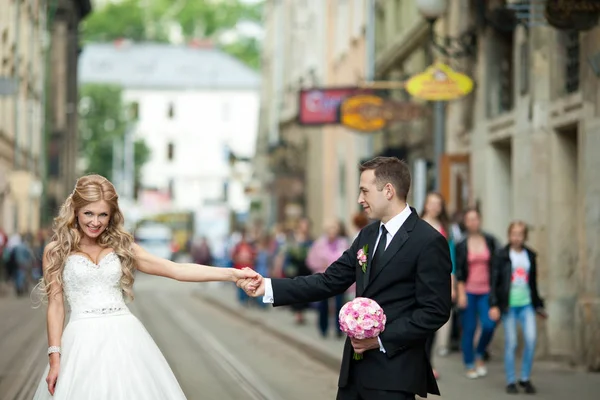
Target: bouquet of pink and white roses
column 362, row 318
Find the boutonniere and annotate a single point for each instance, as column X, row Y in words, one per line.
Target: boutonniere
column 362, row 257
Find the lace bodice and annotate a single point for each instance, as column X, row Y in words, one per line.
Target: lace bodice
column 91, row 288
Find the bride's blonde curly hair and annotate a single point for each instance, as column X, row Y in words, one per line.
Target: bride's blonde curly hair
column 67, row 237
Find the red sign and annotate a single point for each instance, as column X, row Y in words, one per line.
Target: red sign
column 320, row 106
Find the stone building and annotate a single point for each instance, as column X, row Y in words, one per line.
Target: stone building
column 22, row 78
column 34, row 100
column 522, row 145
column 308, row 170
column 530, row 134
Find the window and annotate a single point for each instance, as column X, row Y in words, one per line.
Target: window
column 171, row 189
column 171, row 112
column 524, row 68
column 134, row 111
column 170, row 151
column 225, row 191
column 500, row 81
column 571, row 49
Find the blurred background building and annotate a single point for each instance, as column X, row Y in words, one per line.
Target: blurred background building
column 29, row 91
column 196, row 109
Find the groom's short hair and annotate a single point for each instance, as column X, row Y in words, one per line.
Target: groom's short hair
column 389, row 170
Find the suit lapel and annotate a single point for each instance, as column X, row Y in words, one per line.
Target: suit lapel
column 371, row 238
column 396, row 244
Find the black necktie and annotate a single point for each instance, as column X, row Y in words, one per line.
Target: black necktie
column 379, row 252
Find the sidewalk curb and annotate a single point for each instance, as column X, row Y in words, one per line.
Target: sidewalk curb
column 325, row 359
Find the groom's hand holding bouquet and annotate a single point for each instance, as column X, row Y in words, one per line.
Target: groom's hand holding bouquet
column 362, row 319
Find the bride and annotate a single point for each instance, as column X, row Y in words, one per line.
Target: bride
column 104, row 351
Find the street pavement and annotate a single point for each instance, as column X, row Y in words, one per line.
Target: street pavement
column 554, row 381
column 221, row 350
column 213, row 354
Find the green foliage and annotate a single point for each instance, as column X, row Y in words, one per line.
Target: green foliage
column 247, row 50
column 102, row 122
column 118, row 20
column 141, row 20
column 202, row 18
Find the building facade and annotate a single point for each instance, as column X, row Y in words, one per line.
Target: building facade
column 303, row 170
column 27, row 33
column 521, row 146
column 401, row 51
column 334, row 155
column 292, row 59
column 197, row 113
column 529, row 140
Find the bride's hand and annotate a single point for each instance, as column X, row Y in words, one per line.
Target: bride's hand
column 248, row 278
column 246, row 273
column 52, row 378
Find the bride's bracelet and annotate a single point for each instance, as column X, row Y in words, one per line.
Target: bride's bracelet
column 53, row 349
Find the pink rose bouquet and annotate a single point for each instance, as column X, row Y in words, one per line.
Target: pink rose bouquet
column 362, row 318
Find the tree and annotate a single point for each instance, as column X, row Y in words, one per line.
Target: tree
column 150, row 20
column 247, row 50
column 103, row 123
column 114, row 21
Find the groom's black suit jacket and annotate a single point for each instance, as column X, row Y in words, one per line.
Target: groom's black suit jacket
column 412, row 285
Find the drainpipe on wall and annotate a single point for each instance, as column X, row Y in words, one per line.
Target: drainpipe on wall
column 30, row 98
column 278, row 61
column 277, row 92
column 17, row 157
column 370, row 61
column 43, row 167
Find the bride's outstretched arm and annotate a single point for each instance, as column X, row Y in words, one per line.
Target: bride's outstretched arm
column 187, row 272
column 55, row 319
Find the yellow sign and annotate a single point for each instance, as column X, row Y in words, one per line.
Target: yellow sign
column 369, row 113
column 439, row 82
column 362, row 113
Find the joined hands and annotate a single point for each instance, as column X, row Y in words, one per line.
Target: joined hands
column 250, row 281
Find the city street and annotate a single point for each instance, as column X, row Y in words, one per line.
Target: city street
column 213, row 354
column 221, row 350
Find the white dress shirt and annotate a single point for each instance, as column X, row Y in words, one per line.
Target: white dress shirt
column 392, row 227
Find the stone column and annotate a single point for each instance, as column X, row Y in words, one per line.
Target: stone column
column 587, row 314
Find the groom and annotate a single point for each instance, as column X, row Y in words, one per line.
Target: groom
column 407, row 272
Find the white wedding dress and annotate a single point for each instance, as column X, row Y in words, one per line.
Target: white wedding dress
column 107, row 354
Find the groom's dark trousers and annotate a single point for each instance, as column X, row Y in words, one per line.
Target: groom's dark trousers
column 354, row 390
column 411, row 282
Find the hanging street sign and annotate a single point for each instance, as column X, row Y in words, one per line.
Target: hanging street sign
column 578, row 15
column 370, row 113
column 319, row 106
column 439, row 82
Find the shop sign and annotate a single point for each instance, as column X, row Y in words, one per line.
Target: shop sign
column 370, row 113
column 579, row 15
column 319, row 106
column 439, row 82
